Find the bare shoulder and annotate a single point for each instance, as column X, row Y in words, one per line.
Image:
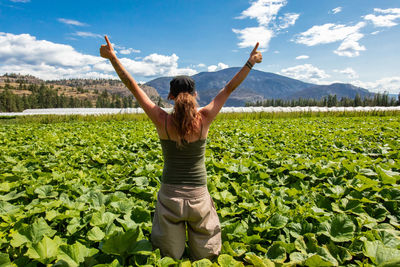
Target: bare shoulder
column 161, row 116
column 205, row 116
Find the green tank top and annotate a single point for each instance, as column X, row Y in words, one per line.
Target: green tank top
column 184, row 165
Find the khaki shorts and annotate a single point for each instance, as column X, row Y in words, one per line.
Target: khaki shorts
column 180, row 207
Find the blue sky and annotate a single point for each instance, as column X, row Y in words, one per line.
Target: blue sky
column 352, row 41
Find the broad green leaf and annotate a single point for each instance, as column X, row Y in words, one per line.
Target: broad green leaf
column 278, row 221
column 95, row 234
column 298, row 174
column 228, row 261
column 51, row 214
column 45, row 251
column 121, row 243
column 45, row 191
column 5, row 260
column 387, row 176
column 252, row 239
column 341, row 254
column 142, row 247
column 277, row 253
column 202, row 263
column 185, row 263
column 139, row 215
column 12, row 195
column 75, row 254
column 261, row 248
column 19, row 168
column 318, row 261
column 166, row 262
column 7, row 209
column 388, row 237
column 74, row 225
column 225, row 196
column 298, row 258
column 299, row 229
column 234, row 248
column 339, row 229
column 235, row 230
column 115, row 263
column 5, row 187
column 122, row 206
column 102, row 219
column 257, row 261
column 365, row 182
column 31, row 233
column 379, row 253
column 289, row 247
column 301, row 245
column 391, row 263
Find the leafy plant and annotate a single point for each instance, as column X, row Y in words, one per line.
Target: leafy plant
column 318, row 191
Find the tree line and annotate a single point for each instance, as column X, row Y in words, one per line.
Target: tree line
column 379, row 99
column 43, row 96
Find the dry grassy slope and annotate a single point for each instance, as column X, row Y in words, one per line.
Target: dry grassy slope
column 91, row 88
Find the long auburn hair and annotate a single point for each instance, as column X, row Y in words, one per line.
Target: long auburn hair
column 185, row 116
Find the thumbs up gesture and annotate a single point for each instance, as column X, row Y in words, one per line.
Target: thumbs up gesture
column 255, row 56
column 107, row 51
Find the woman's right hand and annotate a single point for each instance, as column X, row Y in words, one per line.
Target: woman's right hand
column 255, row 56
column 107, row 51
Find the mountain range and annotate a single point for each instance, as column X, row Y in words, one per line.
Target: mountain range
column 258, row 86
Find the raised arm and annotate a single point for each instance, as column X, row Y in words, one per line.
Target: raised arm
column 155, row 113
column 210, row 111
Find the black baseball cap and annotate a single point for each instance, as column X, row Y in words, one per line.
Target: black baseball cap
column 181, row 84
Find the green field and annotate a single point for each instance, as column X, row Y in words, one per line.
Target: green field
column 318, row 191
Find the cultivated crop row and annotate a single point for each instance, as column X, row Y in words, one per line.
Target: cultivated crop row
column 306, row 191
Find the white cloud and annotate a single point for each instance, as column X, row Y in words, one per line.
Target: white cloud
column 331, row 33
column 47, row 60
column 25, row 49
column 265, row 12
column 327, row 33
column 250, row 36
column 88, row 34
column 388, row 84
column 375, row 32
column 49, row 72
column 220, row 66
column 385, row 17
column 71, row 22
column 201, row 65
column 306, row 72
column 289, row 19
column 350, row 46
column 352, row 74
column 154, row 65
column 20, row 1
column 127, row 51
column 337, row 10
column 303, row 57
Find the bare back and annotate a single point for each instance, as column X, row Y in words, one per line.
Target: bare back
column 169, row 131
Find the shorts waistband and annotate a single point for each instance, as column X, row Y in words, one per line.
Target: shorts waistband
column 183, row 191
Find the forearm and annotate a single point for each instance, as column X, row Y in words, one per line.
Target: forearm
column 125, row 77
column 237, row 79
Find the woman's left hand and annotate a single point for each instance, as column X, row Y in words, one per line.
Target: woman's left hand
column 255, row 56
column 107, row 51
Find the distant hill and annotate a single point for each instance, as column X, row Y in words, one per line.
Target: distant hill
column 258, row 85
column 338, row 89
column 81, row 89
